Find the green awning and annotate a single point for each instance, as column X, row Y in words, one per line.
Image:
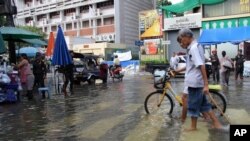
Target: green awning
column 188, row 5
column 2, row 45
column 211, row 2
column 35, row 42
column 13, row 33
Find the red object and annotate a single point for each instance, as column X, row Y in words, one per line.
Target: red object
column 103, row 70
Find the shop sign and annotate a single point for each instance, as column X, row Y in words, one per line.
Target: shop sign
column 226, row 23
column 187, row 21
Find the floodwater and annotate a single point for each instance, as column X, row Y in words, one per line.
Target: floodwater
column 113, row 112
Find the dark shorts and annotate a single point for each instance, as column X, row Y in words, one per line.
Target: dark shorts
column 197, row 102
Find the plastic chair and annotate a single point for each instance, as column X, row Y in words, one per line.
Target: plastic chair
column 46, row 89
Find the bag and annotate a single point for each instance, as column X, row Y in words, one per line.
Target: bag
column 227, row 64
column 4, row 78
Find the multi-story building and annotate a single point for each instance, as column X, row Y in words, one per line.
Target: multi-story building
column 103, row 20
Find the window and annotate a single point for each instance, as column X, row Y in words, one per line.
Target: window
column 99, row 22
column 27, row 1
column 54, row 28
column 84, row 9
column 27, row 20
column 92, row 23
column 106, row 4
column 109, row 21
column 85, row 24
column 69, row 12
column 41, row 17
column 69, row 26
column 229, row 7
column 75, row 25
column 54, row 15
column 45, row 29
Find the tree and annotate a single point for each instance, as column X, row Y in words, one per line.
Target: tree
column 2, row 20
column 163, row 3
column 35, row 30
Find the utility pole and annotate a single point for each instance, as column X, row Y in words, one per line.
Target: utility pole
column 8, row 9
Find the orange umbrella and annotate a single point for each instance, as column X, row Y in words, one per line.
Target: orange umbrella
column 51, row 44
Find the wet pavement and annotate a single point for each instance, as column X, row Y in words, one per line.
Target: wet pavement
column 112, row 112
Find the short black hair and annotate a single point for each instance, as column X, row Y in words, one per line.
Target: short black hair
column 224, row 53
column 24, row 55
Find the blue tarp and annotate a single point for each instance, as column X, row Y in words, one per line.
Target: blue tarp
column 232, row 35
column 125, row 63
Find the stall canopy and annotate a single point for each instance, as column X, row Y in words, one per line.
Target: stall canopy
column 232, row 35
column 188, row 5
column 35, row 42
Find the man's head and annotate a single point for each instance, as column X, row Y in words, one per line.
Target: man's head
column 174, row 54
column 116, row 56
column 185, row 37
column 214, row 52
column 240, row 52
column 38, row 55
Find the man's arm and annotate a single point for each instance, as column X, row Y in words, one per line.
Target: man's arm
column 204, row 77
column 235, row 61
column 180, row 70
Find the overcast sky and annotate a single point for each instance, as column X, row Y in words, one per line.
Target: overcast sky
column 175, row 1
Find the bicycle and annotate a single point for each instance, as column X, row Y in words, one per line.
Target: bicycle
column 161, row 101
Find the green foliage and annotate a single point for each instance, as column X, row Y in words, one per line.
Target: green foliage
column 2, row 20
column 163, row 3
column 154, row 61
column 35, row 30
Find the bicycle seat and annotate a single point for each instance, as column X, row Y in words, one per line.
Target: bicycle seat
column 214, row 87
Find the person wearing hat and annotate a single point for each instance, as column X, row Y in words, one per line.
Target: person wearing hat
column 215, row 66
column 239, row 65
column 39, row 71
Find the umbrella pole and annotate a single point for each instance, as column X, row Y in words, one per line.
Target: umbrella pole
column 18, row 48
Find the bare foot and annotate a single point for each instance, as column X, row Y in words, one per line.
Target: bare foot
column 190, row 129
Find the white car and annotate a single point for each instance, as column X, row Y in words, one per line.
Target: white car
column 181, row 63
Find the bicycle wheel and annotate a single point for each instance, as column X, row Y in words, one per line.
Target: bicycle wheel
column 221, row 102
column 152, row 106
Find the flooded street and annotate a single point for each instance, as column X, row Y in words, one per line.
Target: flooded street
column 112, row 112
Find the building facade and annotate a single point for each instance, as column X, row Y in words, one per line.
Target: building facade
column 229, row 14
column 102, row 20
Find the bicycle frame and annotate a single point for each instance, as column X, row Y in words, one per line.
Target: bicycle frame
column 168, row 87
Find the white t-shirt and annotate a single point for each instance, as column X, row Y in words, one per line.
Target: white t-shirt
column 116, row 61
column 195, row 58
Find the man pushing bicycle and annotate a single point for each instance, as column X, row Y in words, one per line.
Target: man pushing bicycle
column 196, row 82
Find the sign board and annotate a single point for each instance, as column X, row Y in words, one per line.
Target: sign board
column 167, row 42
column 150, row 24
column 139, row 43
column 187, row 21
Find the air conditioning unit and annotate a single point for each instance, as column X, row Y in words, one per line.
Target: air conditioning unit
column 105, row 37
column 77, row 16
column 98, row 38
column 112, row 37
